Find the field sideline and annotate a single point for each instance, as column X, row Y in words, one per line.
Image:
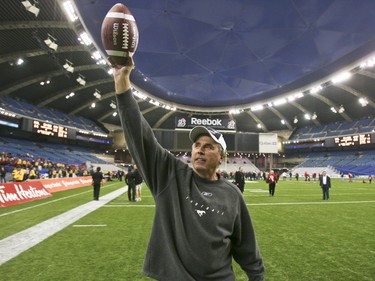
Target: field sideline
column 301, row 237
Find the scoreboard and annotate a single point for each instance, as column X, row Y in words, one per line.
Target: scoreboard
column 353, row 140
column 49, row 129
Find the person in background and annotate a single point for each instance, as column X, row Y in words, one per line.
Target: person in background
column 272, row 180
column 138, row 184
column 32, row 174
column 239, row 179
column 97, row 179
column 370, row 178
column 325, row 184
column 201, row 220
column 350, row 176
column 18, row 174
column 3, row 175
column 130, row 181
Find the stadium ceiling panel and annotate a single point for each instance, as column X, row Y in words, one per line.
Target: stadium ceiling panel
column 222, row 58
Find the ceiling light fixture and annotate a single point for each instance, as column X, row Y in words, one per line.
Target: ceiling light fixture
column 31, row 7
column 279, row 102
column 363, row 102
column 72, row 94
column 81, row 79
column 97, row 94
column 333, row 109
column 341, row 77
column 69, row 11
column 316, row 89
column 113, row 105
column 85, row 39
column 68, row 66
column 19, row 61
column 51, row 42
column 256, row 107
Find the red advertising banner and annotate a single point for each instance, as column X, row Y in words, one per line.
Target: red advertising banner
column 60, row 184
column 20, row 192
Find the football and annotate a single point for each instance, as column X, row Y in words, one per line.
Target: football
column 119, row 34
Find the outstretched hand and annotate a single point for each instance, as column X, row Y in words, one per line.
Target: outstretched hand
column 121, row 75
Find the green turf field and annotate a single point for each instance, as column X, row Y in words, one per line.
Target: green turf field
column 301, row 237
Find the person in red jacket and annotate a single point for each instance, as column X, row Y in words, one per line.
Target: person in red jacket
column 272, row 179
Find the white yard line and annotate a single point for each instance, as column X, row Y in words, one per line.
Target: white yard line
column 15, row 244
column 254, row 204
column 310, row 203
column 89, row 225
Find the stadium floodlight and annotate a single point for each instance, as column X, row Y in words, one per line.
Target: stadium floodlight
column 19, row 61
column 31, row 7
column 97, row 94
column 68, row 66
column 70, row 11
column 113, row 105
column 81, row 80
column 363, row 102
column 51, row 42
column 341, row 109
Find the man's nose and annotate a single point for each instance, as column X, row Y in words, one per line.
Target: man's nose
column 201, row 150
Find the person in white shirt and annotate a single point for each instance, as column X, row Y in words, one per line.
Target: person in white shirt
column 325, row 184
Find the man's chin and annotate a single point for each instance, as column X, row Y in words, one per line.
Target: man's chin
column 199, row 167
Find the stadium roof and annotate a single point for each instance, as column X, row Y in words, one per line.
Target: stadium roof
column 220, row 58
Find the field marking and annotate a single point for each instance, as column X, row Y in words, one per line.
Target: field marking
column 310, row 203
column 256, row 204
column 89, row 225
column 46, row 203
column 15, row 244
column 127, row 205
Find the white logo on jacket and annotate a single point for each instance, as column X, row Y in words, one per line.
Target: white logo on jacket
column 204, row 208
column 200, row 212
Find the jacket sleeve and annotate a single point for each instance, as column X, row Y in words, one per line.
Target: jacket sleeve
column 147, row 153
column 245, row 247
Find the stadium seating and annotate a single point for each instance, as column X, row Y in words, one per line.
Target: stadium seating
column 334, row 130
column 41, row 113
column 58, row 153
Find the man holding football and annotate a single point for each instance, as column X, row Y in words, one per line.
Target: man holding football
column 201, row 220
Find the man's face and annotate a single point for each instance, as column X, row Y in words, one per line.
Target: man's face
column 206, row 156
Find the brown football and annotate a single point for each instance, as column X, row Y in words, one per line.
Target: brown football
column 119, row 34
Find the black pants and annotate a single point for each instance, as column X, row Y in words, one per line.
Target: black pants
column 131, row 192
column 241, row 187
column 271, row 188
column 325, row 190
column 96, row 191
